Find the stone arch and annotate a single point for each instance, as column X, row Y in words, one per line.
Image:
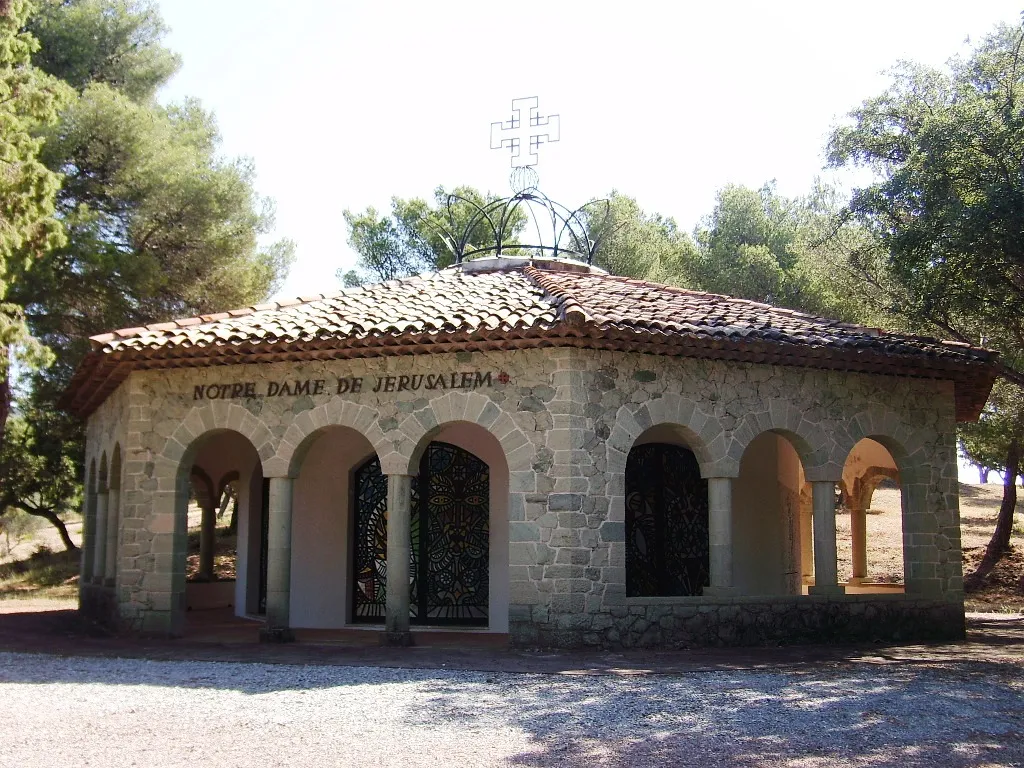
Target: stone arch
column 772, row 515
column 703, row 435
column 308, row 425
column 115, row 468
column 169, row 519
column 810, row 441
column 89, row 524
column 864, row 469
column 418, row 428
column 901, row 441
column 102, row 519
column 485, row 445
column 202, row 421
column 103, row 477
column 113, row 515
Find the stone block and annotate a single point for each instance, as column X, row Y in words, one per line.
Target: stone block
column 521, row 531
column 613, row 531
column 568, row 603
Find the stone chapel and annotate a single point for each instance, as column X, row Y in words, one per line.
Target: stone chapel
column 525, row 447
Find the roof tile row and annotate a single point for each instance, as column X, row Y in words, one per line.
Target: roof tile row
column 461, row 305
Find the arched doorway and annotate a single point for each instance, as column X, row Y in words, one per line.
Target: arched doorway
column 869, row 532
column 450, row 537
column 667, row 545
column 219, row 566
column 772, row 519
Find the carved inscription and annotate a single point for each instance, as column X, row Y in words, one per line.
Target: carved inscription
column 347, row 385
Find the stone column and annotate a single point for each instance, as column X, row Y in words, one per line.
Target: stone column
column 208, row 541
column 396, row 621
column 113, row 528
column 99, row 560
column 88, row 540
column 826, row 580
column 859, row 541
column 279, row 561
column 720, row 536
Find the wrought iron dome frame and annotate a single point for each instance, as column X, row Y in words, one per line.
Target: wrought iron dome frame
column 569, row 235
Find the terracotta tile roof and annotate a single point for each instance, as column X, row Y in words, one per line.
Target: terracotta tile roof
column 524, row 304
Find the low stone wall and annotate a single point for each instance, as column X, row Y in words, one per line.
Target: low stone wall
column 700, row 622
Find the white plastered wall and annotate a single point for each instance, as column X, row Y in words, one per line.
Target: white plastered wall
column 321, row 580
column 766, row 530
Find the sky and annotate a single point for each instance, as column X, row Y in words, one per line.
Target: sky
column 342, row 105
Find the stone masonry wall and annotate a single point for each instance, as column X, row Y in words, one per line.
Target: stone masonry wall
column 566, row 420
column 578, row 534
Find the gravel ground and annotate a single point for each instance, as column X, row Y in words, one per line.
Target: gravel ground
column 121, row 712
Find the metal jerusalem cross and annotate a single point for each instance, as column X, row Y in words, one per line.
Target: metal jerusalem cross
column 518, row 133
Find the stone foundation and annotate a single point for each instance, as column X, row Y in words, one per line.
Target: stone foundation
column 696, row 622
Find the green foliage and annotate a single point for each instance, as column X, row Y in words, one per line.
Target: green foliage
column 15, row 527
column 415, row 237
column 113, row 42
column 947, row 148
column 152, row 222
column 987, row 442
column 157, row 225
column 635, row 244
column 759, row 245
column 29, row 100
column 39, row 464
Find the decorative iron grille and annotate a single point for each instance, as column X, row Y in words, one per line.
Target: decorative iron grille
column 454, row 504
column 450, row 540
column 551, row 229
column 371, row 542
column 667, row 546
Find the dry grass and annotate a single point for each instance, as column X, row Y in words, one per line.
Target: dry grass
column 979, row 506
column 884, row 539
column 43, row 575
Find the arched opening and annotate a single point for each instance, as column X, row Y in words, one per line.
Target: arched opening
column 113, row 518
column 458, row 533
column 322, row 526
column 223, row 568
column 772, row 520
column 667, row 542
column 449, row 565
column 99, row 547
column 869, row 528
column 88, row 527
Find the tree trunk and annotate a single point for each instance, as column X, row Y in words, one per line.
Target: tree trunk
column 5, row 389
column 51, row 517
column 983, row 474
column 1000, row 541
column 233, row 528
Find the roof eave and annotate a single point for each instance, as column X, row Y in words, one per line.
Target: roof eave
column 101, row 372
